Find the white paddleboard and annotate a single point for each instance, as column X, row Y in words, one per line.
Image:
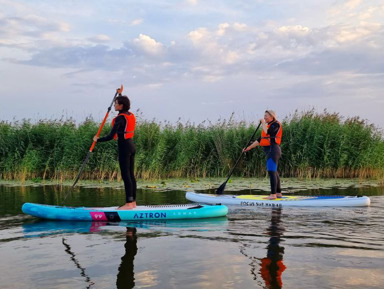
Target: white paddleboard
column 285, row 201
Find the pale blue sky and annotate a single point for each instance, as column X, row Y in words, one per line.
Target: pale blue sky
column 192, row 59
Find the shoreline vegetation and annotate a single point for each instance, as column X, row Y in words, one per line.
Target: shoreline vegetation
column 289, row 185
column 315, row 145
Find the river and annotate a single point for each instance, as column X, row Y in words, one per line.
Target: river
column 251, row 248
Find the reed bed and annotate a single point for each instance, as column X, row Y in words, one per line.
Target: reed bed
column 314, row 145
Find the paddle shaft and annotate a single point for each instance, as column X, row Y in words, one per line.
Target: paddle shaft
column 221, row 188
column 118, row 92
column 105, row 119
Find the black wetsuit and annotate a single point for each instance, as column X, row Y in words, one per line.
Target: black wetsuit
column 127, row 150
column 273, row 153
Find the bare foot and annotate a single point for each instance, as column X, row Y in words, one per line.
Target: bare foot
column 134, row 204
column 271, row 197
column 127, row 206
column 279, row 195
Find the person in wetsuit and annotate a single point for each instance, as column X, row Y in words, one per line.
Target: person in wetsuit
column 270, row 140
column 123, row 127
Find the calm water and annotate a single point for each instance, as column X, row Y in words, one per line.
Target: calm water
column 258, row 248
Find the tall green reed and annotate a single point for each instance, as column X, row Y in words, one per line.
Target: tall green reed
column 314, row 145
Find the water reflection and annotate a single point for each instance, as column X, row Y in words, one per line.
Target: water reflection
column 126, row 275
column 77, row 263
column 272, row 265
column 123, row 234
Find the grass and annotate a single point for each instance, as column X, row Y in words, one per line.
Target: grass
column 315, row 145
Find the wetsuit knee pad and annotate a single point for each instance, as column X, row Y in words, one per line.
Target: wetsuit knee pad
column 271, row 165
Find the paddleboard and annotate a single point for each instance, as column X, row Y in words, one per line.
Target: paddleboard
column 285, row 201
column 140, row 213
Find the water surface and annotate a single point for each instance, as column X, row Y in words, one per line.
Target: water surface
column 252, row 248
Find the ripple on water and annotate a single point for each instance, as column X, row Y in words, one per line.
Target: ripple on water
column 320, row 247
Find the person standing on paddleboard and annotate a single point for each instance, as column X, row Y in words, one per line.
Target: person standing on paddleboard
column 270, row 140
column 123, row 128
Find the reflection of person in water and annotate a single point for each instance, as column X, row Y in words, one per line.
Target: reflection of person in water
column 272, row 266
column 125, row 276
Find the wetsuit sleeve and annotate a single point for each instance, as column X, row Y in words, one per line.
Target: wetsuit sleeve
column 113, row 131
column 272, row 131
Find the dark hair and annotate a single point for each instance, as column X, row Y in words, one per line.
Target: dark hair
column 124, row 100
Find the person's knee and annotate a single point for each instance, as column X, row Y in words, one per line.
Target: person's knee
column 272, row 175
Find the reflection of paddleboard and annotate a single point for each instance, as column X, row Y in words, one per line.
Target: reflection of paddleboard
column 286, row 201
column 140, row 213
column 41, row 228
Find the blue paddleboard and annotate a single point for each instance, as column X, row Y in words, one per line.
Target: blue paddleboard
column 112, row 214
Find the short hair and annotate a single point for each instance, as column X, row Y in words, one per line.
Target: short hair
column 124, row 100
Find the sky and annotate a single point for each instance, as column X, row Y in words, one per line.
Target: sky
column 191, row 60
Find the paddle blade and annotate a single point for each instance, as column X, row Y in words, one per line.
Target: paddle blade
column 221, row 189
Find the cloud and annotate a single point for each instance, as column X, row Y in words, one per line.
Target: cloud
column 199, row 35
column 137, row 22
column 356, row 33
column 352, row 4
column 29, row 28
column 354, row 11
column 101, row 38
column 211, row 56
column 239, row 26
column 148, row 45
column 209, row 53
column 327, row 53
column 191, row 2
column 222, row 28
column 296, row 29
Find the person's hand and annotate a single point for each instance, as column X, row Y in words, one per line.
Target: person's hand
column 246, row 149
column 262, row 120
column 95, row 138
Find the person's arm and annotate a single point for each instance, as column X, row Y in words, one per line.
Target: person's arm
column 264, row 125
column 272, row 131
column 257, row 142
column 111, row 134
column 253, row 145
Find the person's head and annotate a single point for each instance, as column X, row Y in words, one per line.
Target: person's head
column 269, row 115
column 122, row 103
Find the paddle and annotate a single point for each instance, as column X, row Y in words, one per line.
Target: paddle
column 118, row 92
column 220, row 190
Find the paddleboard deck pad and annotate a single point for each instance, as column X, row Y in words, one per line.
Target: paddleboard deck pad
column 140, row 213
column 285, row 201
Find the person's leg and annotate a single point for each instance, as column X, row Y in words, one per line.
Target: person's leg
column 132, row 177
column 272, row 170
column 278, row 187
column 128, row 182
column 124, row 162
column 276, row 157
column 272, row 163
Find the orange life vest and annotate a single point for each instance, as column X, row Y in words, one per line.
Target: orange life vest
column 129, row 129
column 266, row 138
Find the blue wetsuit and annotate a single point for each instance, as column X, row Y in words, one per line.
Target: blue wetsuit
column 273, row 153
